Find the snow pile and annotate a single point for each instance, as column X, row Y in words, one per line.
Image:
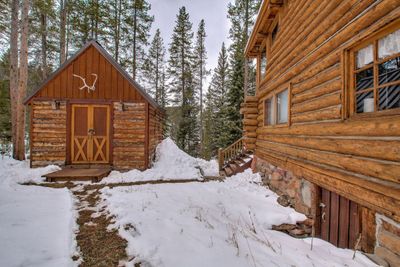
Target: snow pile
column 170, row 163
column 36, row 223
column 214, row 224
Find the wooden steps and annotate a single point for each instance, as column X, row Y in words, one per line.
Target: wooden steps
column 237, row 165
column 78, row 174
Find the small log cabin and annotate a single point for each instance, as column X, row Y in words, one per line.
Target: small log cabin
column 325, row 122
column 91, row 112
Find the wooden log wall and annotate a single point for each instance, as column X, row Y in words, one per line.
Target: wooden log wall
column 48, row 133
column 156, row 119
column 129, row 136
column 250, row 114
column 357, row 158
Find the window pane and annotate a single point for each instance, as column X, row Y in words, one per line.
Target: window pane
column 389, row 97
column 263, row 63
column 365, row 102
column 389, row 45
column 365, row 56
column 283, row 107
column 365, row 79
column 389, row 71
column 268, row 116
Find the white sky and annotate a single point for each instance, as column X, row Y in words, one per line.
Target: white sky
column 214, row 13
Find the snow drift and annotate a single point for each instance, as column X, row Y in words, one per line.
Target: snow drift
column 170, row 163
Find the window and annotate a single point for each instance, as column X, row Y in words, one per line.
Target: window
column 276, row 108
column 268, row 111
column 282, row 109
column 376, row 74
column 263, row 63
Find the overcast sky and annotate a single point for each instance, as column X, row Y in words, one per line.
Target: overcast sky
column 213, row 12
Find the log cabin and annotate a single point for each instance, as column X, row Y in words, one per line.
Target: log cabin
column 90, row 112
column 324, row 124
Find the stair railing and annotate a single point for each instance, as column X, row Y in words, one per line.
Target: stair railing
column 229, row 153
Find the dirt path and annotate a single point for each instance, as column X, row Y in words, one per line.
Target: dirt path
column 98, row 246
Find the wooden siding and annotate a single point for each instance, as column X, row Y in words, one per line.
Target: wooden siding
column 355, row 157
column 110, row 85
column 48, row 134
column 129, row 133
column 155, row 131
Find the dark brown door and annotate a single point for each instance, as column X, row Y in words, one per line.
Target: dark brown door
column 339, row 220
column 90, row 130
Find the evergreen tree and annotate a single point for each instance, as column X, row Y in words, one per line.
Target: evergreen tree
column 200, row 71
column 140, row 21
column 182, row 83
column 241, row 14
column 154, row 69
column 217, row 105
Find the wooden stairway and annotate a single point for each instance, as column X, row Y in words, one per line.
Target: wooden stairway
column 234, row 159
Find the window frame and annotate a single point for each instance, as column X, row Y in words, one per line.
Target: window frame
column 274, row 96
column 349, row 62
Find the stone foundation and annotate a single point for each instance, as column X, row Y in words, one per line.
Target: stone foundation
column 388, row 240
column 293, row 191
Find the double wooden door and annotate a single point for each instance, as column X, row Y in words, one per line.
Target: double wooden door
column 90, row 132
column 339, row 220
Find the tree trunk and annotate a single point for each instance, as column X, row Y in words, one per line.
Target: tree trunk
column 134, row 66
column 63, row 18
column 43, row 29
column 14, row 73
column 23, row 79
column 201, row 99
column 246, row 37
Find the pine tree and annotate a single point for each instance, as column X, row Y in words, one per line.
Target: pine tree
column 154, row 69
column 182, row 83
column 140, row 21
column 200, row 71
column 217, row 104
column 241, row 14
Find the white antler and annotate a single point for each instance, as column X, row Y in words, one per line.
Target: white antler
column 90, row 88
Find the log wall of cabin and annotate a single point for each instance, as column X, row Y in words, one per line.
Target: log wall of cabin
column 129, row 133
column 357, row 158
column 155, row 131
column 48, row 134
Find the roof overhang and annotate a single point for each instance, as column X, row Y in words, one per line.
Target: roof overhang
column 262, row 27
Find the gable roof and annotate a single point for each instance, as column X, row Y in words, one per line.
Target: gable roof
column 110, row 59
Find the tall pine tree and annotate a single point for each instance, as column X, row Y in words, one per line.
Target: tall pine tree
column 154, row 69
column 140, row 21
column 200, row 71
column 241, row 14
column 217, row 109
column 182, row 83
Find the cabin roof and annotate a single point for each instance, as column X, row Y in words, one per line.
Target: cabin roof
column 110, row 59
column 262, row 27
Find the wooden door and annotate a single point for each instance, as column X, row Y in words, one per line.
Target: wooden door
column 339, row 220
column 90, row 131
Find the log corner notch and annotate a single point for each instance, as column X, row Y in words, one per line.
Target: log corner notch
column 249, row 111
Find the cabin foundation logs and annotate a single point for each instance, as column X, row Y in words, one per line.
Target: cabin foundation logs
column 250, row 113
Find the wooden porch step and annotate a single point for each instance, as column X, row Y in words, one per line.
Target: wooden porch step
column 72, row 174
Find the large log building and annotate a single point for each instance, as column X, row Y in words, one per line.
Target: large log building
column 325, row 121
column 91, row 112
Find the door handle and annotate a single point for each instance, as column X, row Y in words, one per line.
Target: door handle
column 322, row 206
column 91, row 131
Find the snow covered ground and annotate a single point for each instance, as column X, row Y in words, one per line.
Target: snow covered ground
column 171, row 163
column 36, row 224
column 214, row 224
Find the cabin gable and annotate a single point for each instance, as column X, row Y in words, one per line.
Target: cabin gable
column 112, row 84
